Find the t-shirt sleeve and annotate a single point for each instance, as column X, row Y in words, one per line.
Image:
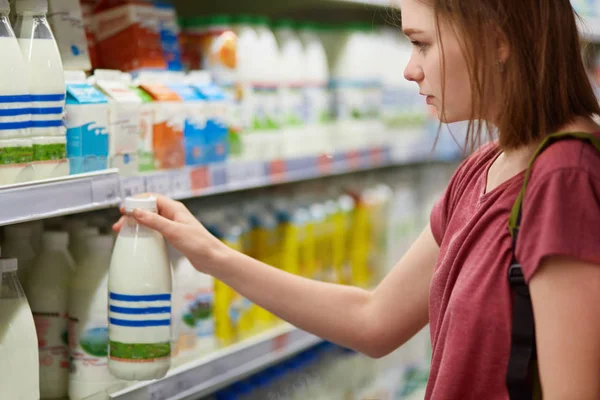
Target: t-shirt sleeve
column 560, row 217
column 439, row 217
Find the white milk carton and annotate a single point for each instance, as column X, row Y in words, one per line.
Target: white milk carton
column 66, row 19
column 123, row 119
column 87, row 122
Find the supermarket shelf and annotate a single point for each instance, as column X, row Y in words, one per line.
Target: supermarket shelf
column 223, row 367
column 59, row 196
column 88, row 192
column 590, row 29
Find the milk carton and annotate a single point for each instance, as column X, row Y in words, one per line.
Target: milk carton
column 128, row 36
column 169, row 35
column 146, row 160
column 168, row 124
column 66, row 19
column 87, row 122
column 123, row 119
column 217, row 110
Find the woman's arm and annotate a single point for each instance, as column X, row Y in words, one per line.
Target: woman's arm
column 566, row 302
column 374, row 323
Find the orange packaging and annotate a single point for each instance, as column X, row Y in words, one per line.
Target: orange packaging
column 127, row 35
column 169, row 122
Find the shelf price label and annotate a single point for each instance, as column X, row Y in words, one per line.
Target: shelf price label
column 241, row 173
column 280, row 342
column 353, row 160
column 325, row 164
column 181, row 183
column 199, row 178
column 277, row 170
column 132, row 185
column 105, row 190
column 158, row 183
column 376, row 156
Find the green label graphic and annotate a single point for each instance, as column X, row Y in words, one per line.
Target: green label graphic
column 139, row 351
column 16, row 155
column 46, row 152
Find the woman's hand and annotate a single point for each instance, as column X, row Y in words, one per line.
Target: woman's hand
column 182, row 230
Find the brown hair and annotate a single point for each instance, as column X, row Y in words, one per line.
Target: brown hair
column 543, row 84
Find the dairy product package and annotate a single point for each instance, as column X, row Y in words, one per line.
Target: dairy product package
column 88, row 322
column 168, row 123
column 217, row 109
column 89, row 23
column 147, row 162
column 123, row 119
column 169, row 34
column 195, row 123
column 66, row 19
column 46, row 87
column 16, row 148
column 87, row 121
column 17, row 244
column 47, row 287
column 140, row 289
column 19, row 352
column 128, row 35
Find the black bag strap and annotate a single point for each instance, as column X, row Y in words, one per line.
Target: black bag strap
column 520, row 376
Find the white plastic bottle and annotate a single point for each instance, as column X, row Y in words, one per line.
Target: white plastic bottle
column 140, row 290
column 46, row 87
column 88, row 321
column 19, row 365
column 293, row 77
column 47, row 286
column 77, row 242
column 317, row 103
column 17, row 244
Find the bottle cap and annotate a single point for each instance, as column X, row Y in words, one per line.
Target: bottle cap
column 31, row 6
column 55, row 239
column 144, row 203
column 100, row 242
column 18, row 231
column 4, row 6
column 8, row 265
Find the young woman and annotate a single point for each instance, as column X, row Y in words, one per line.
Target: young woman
column 517, row 66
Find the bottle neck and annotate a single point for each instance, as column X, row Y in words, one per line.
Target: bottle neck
column 132, row 228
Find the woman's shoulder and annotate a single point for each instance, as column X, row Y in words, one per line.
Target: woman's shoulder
column 568, row 155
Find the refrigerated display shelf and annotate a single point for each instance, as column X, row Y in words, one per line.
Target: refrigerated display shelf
column 223, row 367
column 93, row 191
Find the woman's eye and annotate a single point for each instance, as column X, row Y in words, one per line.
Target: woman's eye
column 419, row 45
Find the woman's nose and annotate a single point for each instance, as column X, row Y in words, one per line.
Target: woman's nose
column 413, row 72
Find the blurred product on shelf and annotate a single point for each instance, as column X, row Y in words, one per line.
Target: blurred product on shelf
column 140, row 290
column 87, row 122
column 88, row 320
column 89, row 24
column 46, row 87
column 123, row 119
column 331, row 372
column 128, row 35
column 17, row 244
column 66, row 19
column 19, row 361
column 168, row 28
column 47, row 291
column 16, row 147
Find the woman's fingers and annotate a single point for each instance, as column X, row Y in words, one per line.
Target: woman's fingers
column 119, row 224
column 157, row 222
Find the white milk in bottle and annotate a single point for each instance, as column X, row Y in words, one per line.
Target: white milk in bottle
column 48, row 285
column 17, row 150
column 19, row 368
column 46, row 87
column 140, row 287
column 88, row 321
column 17, row 244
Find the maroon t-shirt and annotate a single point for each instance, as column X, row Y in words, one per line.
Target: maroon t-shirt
column 470, row 299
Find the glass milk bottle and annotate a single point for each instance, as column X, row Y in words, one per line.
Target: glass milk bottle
column 140, row 287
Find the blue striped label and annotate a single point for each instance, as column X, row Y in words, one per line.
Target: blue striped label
column 139, row 324
column 144, row 297
column 140, row 311
column 24, row 98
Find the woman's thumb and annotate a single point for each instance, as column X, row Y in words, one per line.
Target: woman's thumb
column 154, row 221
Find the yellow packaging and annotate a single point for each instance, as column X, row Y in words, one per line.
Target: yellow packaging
column 360, row 246
column 290, row 224
column 343, row 238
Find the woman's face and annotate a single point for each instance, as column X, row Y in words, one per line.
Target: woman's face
column 425, row 65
